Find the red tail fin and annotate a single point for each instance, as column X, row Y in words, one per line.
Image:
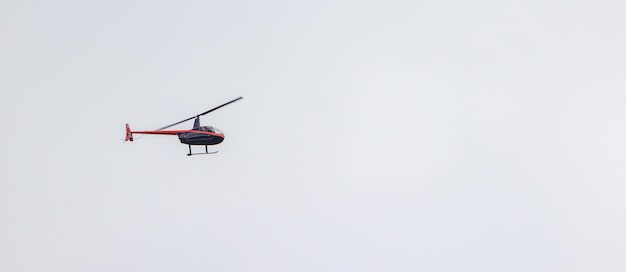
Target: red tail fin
column 129, row 134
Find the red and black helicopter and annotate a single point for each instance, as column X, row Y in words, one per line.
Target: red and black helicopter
column 198, row 135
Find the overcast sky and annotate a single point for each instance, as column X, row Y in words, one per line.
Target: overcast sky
column 374, row 136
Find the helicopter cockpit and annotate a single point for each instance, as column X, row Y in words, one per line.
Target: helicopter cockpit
column 210, row 129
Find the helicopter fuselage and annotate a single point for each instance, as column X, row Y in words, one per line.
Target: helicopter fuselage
column 195, row 137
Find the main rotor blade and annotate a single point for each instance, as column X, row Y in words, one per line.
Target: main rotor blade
column 179, row 122
column 232, row 101
column 176, row 123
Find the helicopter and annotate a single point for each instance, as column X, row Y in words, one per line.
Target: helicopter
column 197, row 135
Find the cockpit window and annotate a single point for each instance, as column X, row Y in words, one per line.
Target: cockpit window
column 210, row 129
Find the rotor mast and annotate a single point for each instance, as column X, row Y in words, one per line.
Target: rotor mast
column 196, row 123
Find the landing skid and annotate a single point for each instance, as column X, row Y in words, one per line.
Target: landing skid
column 206, row 151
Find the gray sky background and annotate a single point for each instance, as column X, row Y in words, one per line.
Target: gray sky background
column 374, row 136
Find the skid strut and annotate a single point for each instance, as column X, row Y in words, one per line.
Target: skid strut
column 206, row 151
